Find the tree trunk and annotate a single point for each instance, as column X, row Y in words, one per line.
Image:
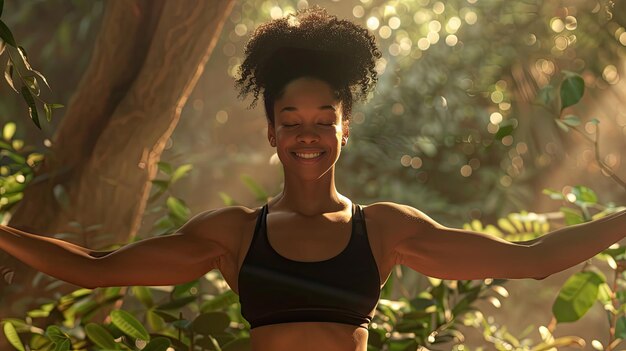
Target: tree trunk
column 147, row 59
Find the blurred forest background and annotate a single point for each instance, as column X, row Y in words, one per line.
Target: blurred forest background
column 461, row 126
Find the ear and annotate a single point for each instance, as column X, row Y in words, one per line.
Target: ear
column 271, row 134
column 346, row 132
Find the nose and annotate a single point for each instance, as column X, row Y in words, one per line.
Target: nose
column 308, row 135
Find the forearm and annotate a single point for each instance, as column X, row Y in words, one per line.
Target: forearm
column 568, row 246
column 58, row 258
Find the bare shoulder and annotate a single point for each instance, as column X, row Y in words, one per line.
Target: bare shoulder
column 223, row 226
column 394, row 214
column 398, row 221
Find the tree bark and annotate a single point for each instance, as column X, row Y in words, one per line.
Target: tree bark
column 146, row 61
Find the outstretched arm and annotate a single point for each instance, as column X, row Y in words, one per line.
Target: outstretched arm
column 165, row 260
column 438, row 251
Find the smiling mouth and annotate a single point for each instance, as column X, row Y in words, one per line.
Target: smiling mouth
column 308, row 155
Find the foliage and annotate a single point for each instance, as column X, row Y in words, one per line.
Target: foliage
column 17, row 162
column 468, row 98
column 215, row 326
column 176, row 211
column 30, row 89
column 461, row 87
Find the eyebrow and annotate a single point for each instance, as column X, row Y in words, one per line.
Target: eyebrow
column 291, row 108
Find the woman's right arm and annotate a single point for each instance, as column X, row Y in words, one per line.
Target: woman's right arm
column 193, row 250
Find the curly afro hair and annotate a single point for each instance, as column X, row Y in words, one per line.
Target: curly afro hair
column 310, row 43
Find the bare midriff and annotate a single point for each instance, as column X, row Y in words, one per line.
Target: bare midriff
column 309, row 336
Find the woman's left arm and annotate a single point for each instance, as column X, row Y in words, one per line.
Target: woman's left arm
column 430, row 248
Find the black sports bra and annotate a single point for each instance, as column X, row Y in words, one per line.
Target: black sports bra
column 343, row 289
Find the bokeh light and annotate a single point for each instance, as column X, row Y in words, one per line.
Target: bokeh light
column 384, row 32
column 358, row 11
column 610, row 74
column 221, row 117
column 453, row 25
column 471, row 17
column 451, row 40
column 276, row 12
column 557, row 25
column 373, row 23
column 439, row 7
column 394, row 22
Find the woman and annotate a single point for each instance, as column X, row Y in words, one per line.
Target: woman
column 309, row 265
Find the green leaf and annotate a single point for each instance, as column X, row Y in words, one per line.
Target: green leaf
column 211, row 323
column 561, row 125
column 39, row 342
column 166, row 316
column 572, row 216
column 20, row 325
column 12, row 337
column 54, row 332
column 226, row 199
column 161, row 184
column 32, row 108
column 158, row 344
column 6, row 35
column 177, row 208
column 155, row 321
column 127, row 323
column 100, row 336
column 8, row 131
column 48, row 111
column 595, row 121
column 17, row 144
column 572, row 89
column 8, row 75
column 175, row 304
column 219, row 302
column 165, row 167
column 184, row 289
column 571, row 120
column 620, row 328
column 182, row 324
column 254, row 187
column 604, row 293
column 554, row 195
column 585, row 194
column 503, row 131
column 577, row 295
column 181, row 172
column 144, row 295
column 62, row 345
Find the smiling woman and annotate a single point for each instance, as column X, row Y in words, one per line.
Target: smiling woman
column 309, row 265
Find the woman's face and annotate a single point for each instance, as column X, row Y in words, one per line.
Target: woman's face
column 308, row 129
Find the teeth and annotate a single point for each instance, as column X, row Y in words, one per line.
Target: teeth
column 314, row 155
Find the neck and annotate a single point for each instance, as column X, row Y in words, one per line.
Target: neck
column 310, row 197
